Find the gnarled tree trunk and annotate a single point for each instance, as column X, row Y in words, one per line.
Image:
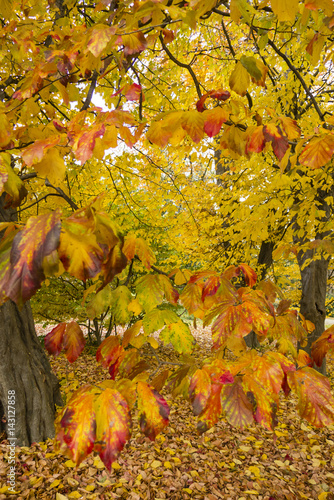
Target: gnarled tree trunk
column 25, row 369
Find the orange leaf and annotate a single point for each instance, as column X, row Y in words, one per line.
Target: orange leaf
column 323, row 345
column 315, row 401
column 37, row 240
column 54, row 340
column 238, row 409
column 153, row 410
column 76, row 428
column 113, row 425
column 279, row 142
column 213, row 120
column 318, row 151
column 193, row 123
column 35, row 152
column 74, row 341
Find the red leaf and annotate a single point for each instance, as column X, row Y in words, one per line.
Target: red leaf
column 74, row 341
column 256, row 141
column 54, row 340
column 279, row 141
column 220, row 95
column 134, row 92
column 239, row 411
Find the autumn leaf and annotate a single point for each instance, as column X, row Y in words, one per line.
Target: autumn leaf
column 193, row 123
column 54, row 340
column 110, row 354
column 285, row 10
column 35, row 153
column 134, row 43
column 279, row 142
column 323, row 345
column 153, row 410
column 120, row 299
column 111, row 406
column 178, row 334
column 239, row 79
column 318, row 151
column 79, row 251
column 199, row 391
column 99, row 37
column 238, row 408
column 211, row 414
column 315, row 401
column 76, row 429
column 149, row 291
column 74, row 341
column 37, row 240
column 214, row 119
column 67, row 336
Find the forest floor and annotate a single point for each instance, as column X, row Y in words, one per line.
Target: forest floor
column 296, row 461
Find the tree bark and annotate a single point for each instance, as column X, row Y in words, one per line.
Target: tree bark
column 314, row 276
column 313, row 300
column 25, row 369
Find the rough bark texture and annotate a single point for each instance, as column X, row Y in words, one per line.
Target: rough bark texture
column 312, row 304
column 314, row 275
column 25, row 369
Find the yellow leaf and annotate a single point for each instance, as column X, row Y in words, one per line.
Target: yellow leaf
column 323, row 495
column 135, row 307
column 55, row 483
column 59, row 496
column 254, row 470
column 98, row 463
column 239, row 79
column 69, row 463
column 285, row 10
column 52, row 166
column 74, row 494
column 116, row 466
column 155, row 464
column 90, row 487
column 168, row 465
column 251, row 492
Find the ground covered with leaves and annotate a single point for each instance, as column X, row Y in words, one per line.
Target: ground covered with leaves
column 294, row 462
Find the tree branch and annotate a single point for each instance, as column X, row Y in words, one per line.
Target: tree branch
column 62, row 194
column 182, row 65
column 90, row 94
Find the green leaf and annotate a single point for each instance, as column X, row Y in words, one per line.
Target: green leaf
column 178, row 334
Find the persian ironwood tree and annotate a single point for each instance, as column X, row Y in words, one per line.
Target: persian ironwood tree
column 78, row 80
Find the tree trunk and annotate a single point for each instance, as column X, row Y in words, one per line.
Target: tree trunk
column 313, row 301
column 25, row 369
column 314, row 275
